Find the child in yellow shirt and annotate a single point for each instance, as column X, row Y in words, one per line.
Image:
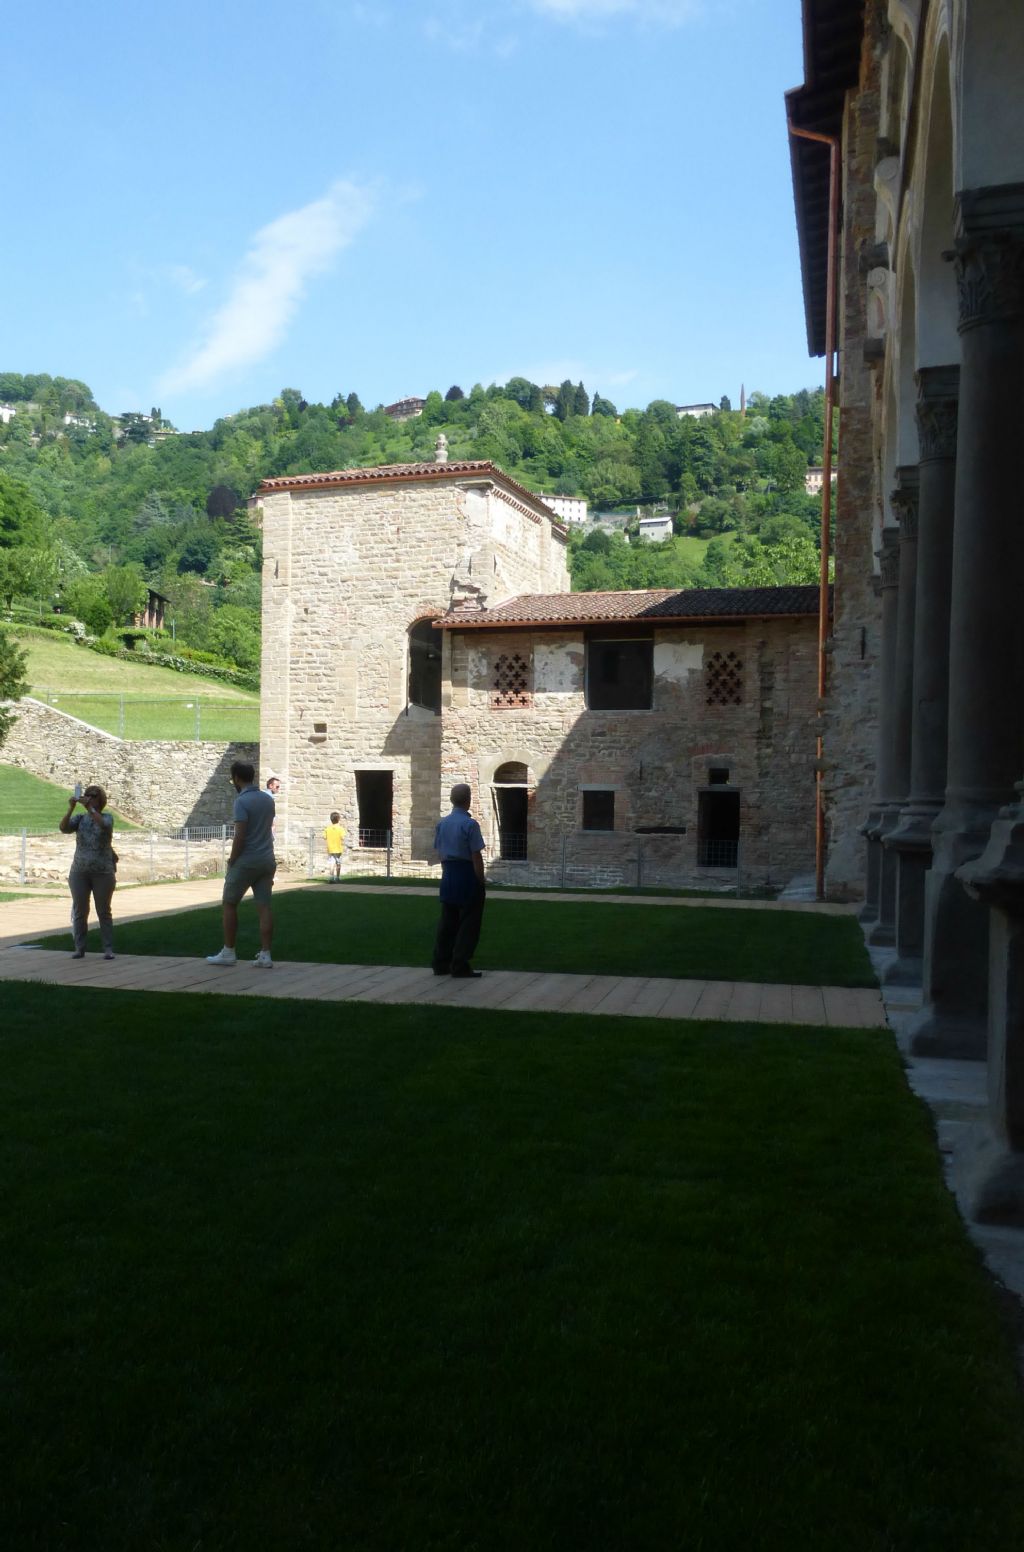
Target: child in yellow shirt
column 334, row 836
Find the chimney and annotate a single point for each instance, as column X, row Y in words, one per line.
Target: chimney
column 441, row 448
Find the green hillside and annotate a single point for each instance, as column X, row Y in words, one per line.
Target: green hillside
column 133, row 700
column 29, row 803
column 93, row 509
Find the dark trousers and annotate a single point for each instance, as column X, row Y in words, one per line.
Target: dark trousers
column 458, row 933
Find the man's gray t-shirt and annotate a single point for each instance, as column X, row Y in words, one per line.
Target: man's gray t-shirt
column 257, row 810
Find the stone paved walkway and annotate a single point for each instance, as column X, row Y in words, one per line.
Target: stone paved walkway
column 25, row 921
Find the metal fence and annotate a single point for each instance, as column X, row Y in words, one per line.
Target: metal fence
column 144, row 856
column 183, row 718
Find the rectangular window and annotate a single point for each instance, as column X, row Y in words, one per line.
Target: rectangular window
column 620, row 674
column 375, row 797
column 599, row 810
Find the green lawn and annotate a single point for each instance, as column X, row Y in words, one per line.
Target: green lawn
column 184, row 716
column 56, row 663
column 330, row 1276
column 552, row 889
column 684, row 941
column 28, row 802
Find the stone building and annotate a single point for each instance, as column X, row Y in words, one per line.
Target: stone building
column 419, row 629
column 923, row 101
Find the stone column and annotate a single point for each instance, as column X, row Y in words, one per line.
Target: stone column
column 989, row 1168
column 904, row 502
column 986, row 639
column 912, row 839
column 868, row 913
column 882, row 814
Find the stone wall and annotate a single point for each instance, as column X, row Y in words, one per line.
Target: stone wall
column 657, row 761
column 346, row 572
column 165, row 785
column 851, row 720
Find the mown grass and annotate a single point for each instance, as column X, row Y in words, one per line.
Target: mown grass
column 185, row 716
column 28, row 802
column 405, row 882
column 326, row 1276
column 56, row 663
column 709, row 943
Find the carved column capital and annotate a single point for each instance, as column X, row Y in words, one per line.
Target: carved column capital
column 904, row 500
column 889, row 558
column 938, row 393
column 988, row 253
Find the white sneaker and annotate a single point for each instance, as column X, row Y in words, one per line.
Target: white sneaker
column 263, row 960
column 227, row 956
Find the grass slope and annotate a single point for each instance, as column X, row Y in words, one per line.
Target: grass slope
column 90, row 686
column 28, row 802
column 604, row 939
column 315, row 1276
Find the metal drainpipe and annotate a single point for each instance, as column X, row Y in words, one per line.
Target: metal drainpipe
column 832, row 141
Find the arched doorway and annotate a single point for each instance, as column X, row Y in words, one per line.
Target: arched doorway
column 424, row 687
column 510, row 788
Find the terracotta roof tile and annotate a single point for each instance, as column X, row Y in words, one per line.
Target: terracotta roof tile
column 388, row 472
column 649, row 604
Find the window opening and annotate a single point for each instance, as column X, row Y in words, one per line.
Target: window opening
column 620, row 674
column 718, row 829
column 599, row 810
column 425, row 666
column 718, row 775
column 510, row 687
column 375, row 798
column 723, row 679
column 511, row 806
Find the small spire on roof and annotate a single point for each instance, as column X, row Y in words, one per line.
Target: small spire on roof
column 441, row 448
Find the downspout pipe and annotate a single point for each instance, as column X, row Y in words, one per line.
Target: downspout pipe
column 832, row 141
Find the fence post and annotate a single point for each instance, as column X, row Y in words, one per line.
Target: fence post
column 563, row 860
column 152, row 862
column 309, row 861
column 120, row 716
column 24, row 852
column 199, row 717
column 389, row 854
column 187, row 873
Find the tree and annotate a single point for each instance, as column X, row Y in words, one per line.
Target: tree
column 725, row 403
column 234, row 634
column 22, row 520
column 13, row 680
column 86, row 599
column 581, row 401
column 454, row 394
column 603, row 407
column 222, row 501
column 565, row 401
column 126, row 592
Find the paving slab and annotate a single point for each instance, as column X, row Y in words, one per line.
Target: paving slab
column 607, row 995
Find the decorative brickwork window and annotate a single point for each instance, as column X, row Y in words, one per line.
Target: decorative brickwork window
column 723, row 680
column 510, row 687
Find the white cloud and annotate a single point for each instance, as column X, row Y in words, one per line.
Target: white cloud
column 269, row 285
column 185, row 278
column 663, row 13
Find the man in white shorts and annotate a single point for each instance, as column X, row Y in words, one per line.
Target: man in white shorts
column 251, row 865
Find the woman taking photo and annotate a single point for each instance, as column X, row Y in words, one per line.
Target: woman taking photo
column 93, row 868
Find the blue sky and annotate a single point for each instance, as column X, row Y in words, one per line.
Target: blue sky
column 208, row 202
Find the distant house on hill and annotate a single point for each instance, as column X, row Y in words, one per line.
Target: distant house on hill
column 696, row 411
column 571, row 509
column 656, row 529
column 7, row 413
column 404, row 409
column 814, row 479
column 152, row 617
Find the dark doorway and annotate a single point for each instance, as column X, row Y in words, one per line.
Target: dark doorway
column 425, row 666
column 718, row 829
column 375, row 795
column 511, row 802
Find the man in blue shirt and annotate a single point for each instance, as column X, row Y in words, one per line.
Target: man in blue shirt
column 460, row 846
column 251, row 865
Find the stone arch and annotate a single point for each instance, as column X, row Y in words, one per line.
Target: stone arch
column 511, row 790
column 893, row 118
column 423, row 664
